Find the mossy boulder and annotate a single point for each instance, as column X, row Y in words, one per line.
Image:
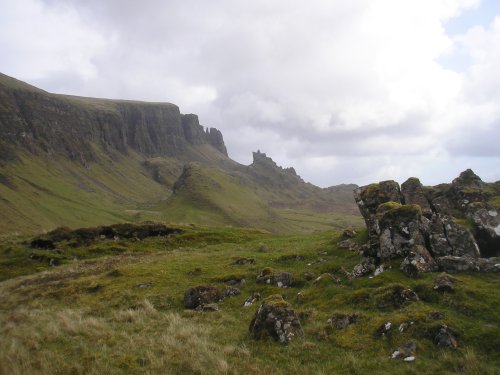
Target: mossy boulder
column 275, row 318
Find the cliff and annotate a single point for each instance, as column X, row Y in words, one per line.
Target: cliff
column 75, row 161
column 68, row 126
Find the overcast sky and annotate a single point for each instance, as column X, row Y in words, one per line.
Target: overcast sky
column 344, row 91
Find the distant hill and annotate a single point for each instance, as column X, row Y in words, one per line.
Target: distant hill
column 75, row 161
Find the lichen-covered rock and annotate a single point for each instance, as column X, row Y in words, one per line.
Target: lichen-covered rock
column 341, row 321
column 438, row 241
column 460, row 239
column 251, row 300
column 417, row 223
column 487, row 222
column 453, row 264
column 276, row 318
column 366, row 267
column 401, row 228
column 370, row 197
column 201, row 295
column 230, row 292
column 349, row 233
column 347, row 244
column 418, row 261
column 444, row 283
column 445, row 338
column 384, row 330
column 405, row 351
column 243, row 261
column 413, row 193
column 488, row 264
column 281, row 280
column 397, row 297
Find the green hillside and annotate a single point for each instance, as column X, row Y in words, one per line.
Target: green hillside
column 209, row 196
column 40, row 194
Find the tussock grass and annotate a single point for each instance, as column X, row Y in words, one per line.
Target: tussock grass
column 143, row 340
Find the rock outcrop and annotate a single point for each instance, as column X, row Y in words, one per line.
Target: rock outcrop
column 448, row 227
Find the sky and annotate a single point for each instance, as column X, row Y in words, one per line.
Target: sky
column 351, row 91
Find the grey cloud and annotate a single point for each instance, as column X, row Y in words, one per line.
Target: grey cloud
column 326, row 80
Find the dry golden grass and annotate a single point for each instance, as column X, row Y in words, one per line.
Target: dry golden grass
column 42, row 341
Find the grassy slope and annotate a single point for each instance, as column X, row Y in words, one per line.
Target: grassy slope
column 39, row 194
column 90, row 317
column 212, row 197
column 42, row 194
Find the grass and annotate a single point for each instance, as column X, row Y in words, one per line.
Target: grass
column 208, row 195
column 92, row 315
column 43, row 194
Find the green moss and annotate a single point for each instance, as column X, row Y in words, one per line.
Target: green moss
column 410, row 209
column 386, row 207
column 277, row 301
column 370, row 191
column 413, row 181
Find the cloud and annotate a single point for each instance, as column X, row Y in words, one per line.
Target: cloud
column 343, row 91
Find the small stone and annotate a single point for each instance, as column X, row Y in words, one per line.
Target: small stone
column 405, row 351
column 445, row 339
column 230, row 292
column 250, row 300
column 347, row 244
column 404, row 326
column 380, row 269
column 444, row 283
column 208, row 307
column 349, row 233
column 384, row 329
column 243, row 261
column 365, row 267
column 341, row 321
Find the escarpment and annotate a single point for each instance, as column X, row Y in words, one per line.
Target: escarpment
column 452, row 227
column 67, row 126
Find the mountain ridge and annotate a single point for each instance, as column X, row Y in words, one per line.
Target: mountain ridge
column 82, row 161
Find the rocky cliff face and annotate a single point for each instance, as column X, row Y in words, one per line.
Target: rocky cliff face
column 195, row 134
column 427, row 225
column 66, row 126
